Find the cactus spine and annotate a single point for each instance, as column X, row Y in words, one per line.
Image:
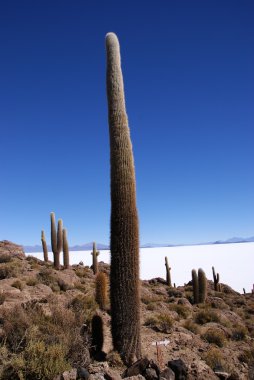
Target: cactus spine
column 44, row 247
column 66, row 259
column 195, row 286
column 216, row 280
column 124, row 237
column 168, row 275
column 95, row 254
column 202, row 284
column 101, row 290
column 56, row 239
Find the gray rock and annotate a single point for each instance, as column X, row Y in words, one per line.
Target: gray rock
column 167, row 374
column 150, row 374
column 179, row 368
column 82, row 373
column 69, row 375
column 137, row 368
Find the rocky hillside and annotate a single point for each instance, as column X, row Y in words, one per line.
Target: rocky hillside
column 46, row 328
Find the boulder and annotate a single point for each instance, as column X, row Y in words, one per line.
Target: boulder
column 167, row 374
column 179, row 368
column 138, row 368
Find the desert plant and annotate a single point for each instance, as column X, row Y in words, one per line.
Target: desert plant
column 205, row 316
column 44, row 247
column 168, row 275
column 239, row 332
column 18, row 285
column 215, row 336
column 202, row 285
column 195, row 286
column 160, row 322
column 97, row 334
column 216, row 280
column 214, row 359
column 66, row 258
column 191, row 326
column 101, row 287
column 56, row 239
column 124, row 236
column 95, row 254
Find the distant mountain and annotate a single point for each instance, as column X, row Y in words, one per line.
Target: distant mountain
column 100, row 246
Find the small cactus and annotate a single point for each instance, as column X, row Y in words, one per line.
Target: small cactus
column 56, row 239
column 95, row 254
column 97, row 334
column 44, row 247
column 195, row 286
column 168, row 275
column 216, row 280
column 202, row 285
column 66, row 259
column 101, row 290
column 244, row 291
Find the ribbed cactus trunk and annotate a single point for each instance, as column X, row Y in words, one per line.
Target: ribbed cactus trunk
column 195, row 286
column 66, row 259
column 202, row 284
column 124, row 238
column 44, row 247
column 95, row 254
column 56, row 239
column 168, row 275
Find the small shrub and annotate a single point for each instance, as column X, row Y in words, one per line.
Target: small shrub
column 191, row 326
column 32, row 281
column 5, row 258
column 63, row 285
column 114, row 359
column 2, row 298
column 18, row 284
column 214, row 359
column 181, row 310
column 215, row 336
column 8, row 270
column 206, row 316
column 247, row 356
column 239, row 332
column 160, row 322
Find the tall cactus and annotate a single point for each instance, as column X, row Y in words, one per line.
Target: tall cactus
column 216, row 280
column 56, row 239
column 124, row 237
column 95, row 254
column 202, row 284
column 101, row 290
column 66, row 259
column 168, row 275
column 195, row 286
column 44, row 247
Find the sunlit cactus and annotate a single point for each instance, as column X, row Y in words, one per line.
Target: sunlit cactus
column 195, row 286
column 124, row 237
column 44, row 247
column 101, row 290
column 95, row 254
column 202, row 284
column 168, row 275
column 56, row 239
column 66, row 259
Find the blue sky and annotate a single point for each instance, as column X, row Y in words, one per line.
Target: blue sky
column 189, row 84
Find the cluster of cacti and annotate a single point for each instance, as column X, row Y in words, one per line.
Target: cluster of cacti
column 216, row 281
column 199, row 284
column 58, row 243
column 168, row 275
column 95, row 254
column 101, row 290
column 124, row 238
column 44, row 247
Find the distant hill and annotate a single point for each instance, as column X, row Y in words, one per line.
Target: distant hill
column 100, row 246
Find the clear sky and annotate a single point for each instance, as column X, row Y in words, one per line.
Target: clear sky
column 189, row 84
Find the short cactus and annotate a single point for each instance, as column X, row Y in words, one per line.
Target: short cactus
column 97, row 334
column 216, row 280
column 95, row 254
column 202, row 285
column 44, row 247
column 101, row 290
column 168, row 275
column 66, row 259
column 56, row 239
column 195, row 286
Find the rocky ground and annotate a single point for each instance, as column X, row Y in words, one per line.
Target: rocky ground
column 45, row 327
